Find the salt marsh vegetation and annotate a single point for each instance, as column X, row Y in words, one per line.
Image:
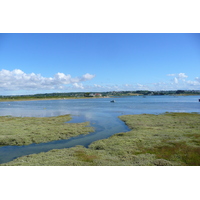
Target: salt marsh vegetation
column 170, row 139
column 28, row 130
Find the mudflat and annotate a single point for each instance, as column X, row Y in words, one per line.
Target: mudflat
column 170, row 139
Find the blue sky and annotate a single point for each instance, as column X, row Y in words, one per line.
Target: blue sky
column 81, row 62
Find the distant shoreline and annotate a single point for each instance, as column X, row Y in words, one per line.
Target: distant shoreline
column 68, row 98
column 43, row 99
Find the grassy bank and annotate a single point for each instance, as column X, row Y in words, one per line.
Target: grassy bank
column 47, row 98
column 27, row 130
column 155, row 140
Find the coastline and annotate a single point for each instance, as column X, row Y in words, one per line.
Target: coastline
column 73, row 98
column 45, row 99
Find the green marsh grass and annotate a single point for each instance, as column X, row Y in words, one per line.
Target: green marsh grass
column 170, row 139
column 27, row 130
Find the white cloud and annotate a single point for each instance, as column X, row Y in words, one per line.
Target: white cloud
column 197, row 79
column 171, row 74
column 180, row 82
column 128, row 85
column 87, row 77
column 176, row 80
column 181, row 76
column 79, row 86
column 178, row 76
column 97, row 86
column 142, row 87
column 18, row 80
column 196, row 82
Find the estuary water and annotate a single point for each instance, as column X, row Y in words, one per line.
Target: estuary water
column 100, row 112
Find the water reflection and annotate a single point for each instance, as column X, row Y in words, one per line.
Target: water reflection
column 107, row 127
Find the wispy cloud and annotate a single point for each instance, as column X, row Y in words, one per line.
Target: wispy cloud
column 19, row 80
column 78, row 86
column 196, row 82
column 179, row 81
column 177, row 77
column 180, row 75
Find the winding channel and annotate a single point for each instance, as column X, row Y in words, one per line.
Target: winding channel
column 101, row 114
column 105, row 124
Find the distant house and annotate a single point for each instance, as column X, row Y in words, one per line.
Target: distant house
column 98, row 95
column 91, row 95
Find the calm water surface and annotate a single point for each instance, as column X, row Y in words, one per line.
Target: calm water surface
column 101, row 114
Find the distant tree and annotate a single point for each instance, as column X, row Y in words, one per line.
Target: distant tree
column 86, row 94
column 180, row 92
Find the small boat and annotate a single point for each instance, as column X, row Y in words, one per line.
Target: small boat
column 199, row 100
column 113, row 101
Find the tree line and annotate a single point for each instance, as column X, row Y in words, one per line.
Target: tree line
column 103, row 94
